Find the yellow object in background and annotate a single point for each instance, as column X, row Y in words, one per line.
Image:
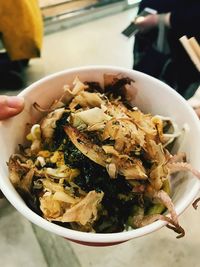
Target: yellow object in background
column 21, row 28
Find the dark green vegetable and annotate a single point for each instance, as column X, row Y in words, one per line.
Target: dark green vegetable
column 59, row 133
column 95, row 177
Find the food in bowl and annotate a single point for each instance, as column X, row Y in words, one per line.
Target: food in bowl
column 95, row 163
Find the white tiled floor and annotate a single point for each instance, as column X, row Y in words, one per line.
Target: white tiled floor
column 93, row 43
column 25, row 245
column 159, row 249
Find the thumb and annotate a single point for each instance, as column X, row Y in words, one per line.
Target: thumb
column 10, row 106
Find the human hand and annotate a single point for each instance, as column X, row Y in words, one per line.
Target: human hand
column 10, row 106
column 151, row 21
column 146, row 23
column 197, row 110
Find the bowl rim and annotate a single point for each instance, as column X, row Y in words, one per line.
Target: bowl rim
column 98, row 237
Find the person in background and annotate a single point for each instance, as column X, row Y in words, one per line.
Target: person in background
column 21, row 32
column 181, row 17
column 10, row 106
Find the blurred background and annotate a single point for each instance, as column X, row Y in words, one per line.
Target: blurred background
column 78, row 33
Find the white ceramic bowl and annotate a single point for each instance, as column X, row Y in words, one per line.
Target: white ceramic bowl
column 152, row 96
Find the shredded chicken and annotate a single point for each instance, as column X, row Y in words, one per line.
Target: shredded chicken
column 140, row 222
column 183, row 166
column 85, row 211
column 164, row 198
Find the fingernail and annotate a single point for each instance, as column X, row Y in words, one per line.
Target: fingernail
column 15, row 101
